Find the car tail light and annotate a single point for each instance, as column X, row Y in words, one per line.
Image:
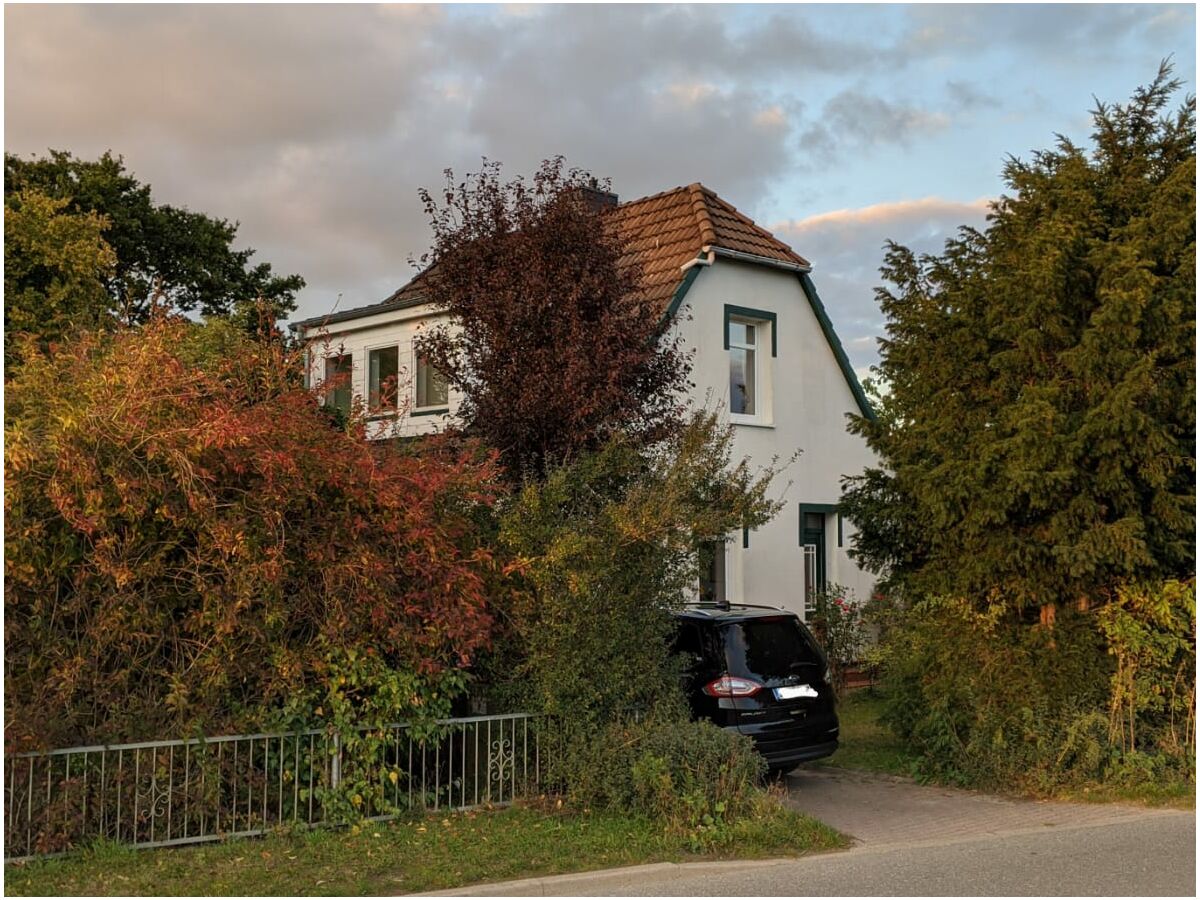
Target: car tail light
column 732, row 686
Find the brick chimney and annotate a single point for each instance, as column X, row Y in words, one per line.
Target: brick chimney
column 598, row 199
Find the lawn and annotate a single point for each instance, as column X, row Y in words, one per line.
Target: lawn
column 440, row 851
column 866, row 744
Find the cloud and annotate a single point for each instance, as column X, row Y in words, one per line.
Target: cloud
column 926, row 209
column 965, row 95
column 854, row 120
column 846, row 249
column 315, row 125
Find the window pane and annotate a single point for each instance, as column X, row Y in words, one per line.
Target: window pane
column 432, row 389
column 384, row 372
column 338, row 370
column 741, row 332
column 810, row 578
column 770, row 649
column 741, row 381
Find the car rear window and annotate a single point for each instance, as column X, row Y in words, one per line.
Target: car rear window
column 769, row 648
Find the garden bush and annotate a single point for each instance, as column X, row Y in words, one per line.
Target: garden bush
column 191, row 544
column 839, row 626
column 692, row 776
column 604, row 550
column 989, row 701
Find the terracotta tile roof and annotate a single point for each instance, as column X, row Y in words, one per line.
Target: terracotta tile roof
column 664, row 231
column 661, row 233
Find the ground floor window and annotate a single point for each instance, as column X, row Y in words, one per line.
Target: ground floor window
column 812, row 540
column 712, row 572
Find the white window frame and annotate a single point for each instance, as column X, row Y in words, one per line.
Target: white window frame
column 416, row 392
column 323, row 375
column 761, row 348
column 367, row 351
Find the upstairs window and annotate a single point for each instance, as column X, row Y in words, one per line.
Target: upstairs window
column 383, row 374
column 433, row 392
column 338, row 371
column 751, row 340
column 743, row 367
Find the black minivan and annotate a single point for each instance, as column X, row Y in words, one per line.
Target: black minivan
column 759, row 671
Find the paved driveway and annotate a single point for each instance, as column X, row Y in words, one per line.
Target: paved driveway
column 877, row 810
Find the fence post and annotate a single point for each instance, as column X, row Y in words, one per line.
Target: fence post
column 335, row 766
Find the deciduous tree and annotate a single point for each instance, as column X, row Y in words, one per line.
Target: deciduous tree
column 56, row 264
column 549, row 342
column 191, row 545
column 186, row 256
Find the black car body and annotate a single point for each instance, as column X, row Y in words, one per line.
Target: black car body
column 759, row 671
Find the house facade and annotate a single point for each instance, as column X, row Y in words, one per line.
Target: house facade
column 763, row 349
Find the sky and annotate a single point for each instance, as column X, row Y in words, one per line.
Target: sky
column 837, row 127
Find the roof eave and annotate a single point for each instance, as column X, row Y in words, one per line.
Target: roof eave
column 754, row 258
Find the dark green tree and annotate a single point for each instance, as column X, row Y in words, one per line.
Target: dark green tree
column 188, row 256
column 1037, row 428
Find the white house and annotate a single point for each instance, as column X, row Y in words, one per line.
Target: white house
column 763, row 346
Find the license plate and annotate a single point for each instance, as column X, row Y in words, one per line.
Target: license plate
column 791, row 693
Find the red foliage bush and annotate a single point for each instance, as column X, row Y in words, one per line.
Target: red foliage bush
column 191, row 543
column 551, row 344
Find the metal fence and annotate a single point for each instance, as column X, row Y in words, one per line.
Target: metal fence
column 162, row 793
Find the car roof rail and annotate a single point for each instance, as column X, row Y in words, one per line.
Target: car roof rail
column 725, row 604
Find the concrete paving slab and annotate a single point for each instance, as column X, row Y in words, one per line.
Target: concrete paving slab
column 879, row 809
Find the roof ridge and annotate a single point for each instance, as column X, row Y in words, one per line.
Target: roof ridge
column 708, row 234
column 636, row 200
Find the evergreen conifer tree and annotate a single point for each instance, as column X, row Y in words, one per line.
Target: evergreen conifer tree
column 1037, row 430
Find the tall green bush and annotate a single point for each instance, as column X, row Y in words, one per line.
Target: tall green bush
column 1037, row 447
column 605, row 550
column 990, row 702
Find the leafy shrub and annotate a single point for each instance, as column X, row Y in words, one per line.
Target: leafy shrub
column 190, row 546
column 989, row 701
column 605, row 549
column 693, row 776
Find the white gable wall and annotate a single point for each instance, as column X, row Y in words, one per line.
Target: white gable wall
column 809, row 399
column 805, row 388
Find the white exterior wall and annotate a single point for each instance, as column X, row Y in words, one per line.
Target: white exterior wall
column 803, row 387
column 807, row 399
column 357, row 338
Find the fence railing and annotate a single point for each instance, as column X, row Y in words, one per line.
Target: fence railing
column 162, row 793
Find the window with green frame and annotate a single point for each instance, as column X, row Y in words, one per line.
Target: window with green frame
column 338, row 373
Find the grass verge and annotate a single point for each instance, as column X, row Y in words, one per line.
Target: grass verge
column 865, row 743
column 439, row 851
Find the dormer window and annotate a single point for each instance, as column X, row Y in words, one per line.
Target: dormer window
column 433, row 393
column 383, row 375
column 338, row 371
